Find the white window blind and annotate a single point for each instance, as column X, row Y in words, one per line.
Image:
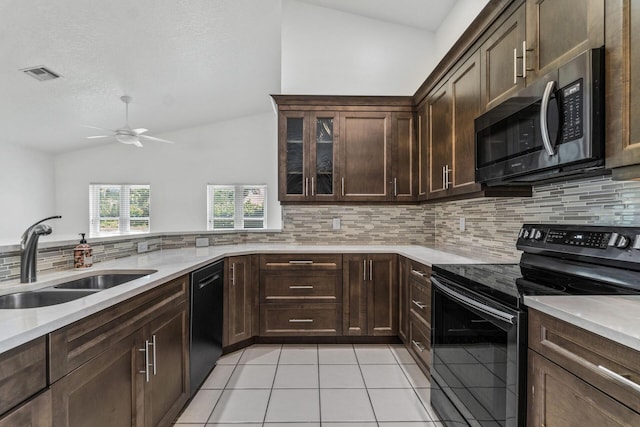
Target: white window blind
column 232, row 207
column 118, row 209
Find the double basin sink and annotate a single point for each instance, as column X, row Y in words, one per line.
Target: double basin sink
column 70, row 290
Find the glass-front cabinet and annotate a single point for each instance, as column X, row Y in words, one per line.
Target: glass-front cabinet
column 308, row 160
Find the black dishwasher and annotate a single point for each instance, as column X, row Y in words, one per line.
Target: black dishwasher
column 205, row 325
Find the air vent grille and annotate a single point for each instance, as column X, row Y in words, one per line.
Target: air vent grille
column 41, row 73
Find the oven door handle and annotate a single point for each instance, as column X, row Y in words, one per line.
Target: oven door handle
column 495, row 313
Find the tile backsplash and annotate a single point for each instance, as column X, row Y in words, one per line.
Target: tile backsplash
column 491, row 224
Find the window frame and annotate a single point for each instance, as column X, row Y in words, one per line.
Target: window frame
column 239, row 218
column 124, row 210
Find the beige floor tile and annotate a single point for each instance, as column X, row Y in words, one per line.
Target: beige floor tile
column 233, row 425
column 218, row 377
column 345, row 405
column 296, row 376
column 231, row 358
column 397, row 405
column 401, row 354
column 341, row 376
column 252, row 376
column 241, row 406
column 200, row 407
column 299, row 355
column 415, row 375
column 410, row 424
column 261, row 355
column 349, row 424
column 424, row 394
column 336, row 354
column 384, row 376
column 293, row 406
column 374, row 354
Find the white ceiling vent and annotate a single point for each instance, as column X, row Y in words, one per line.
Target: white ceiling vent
column 41, row 73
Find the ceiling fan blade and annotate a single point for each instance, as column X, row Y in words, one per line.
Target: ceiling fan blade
column 93, row 127
column 138, row 144
column 140, row 130
column 153, row 138
column 98, row 136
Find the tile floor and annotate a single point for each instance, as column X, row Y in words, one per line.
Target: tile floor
column 313, row 386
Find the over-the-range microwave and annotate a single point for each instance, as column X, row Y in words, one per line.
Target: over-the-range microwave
column 552, row 129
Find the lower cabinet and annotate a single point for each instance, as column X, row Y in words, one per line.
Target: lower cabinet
column 419, row 313
column 33, row 413
column 370, row 295
column 577, row 378
column 138, row 377
column 240, row 299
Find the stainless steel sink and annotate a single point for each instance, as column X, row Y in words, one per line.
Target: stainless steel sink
column 40, row 298
column 103, row 280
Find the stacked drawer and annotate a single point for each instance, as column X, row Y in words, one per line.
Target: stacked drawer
column 300, row 295
column 420, row 312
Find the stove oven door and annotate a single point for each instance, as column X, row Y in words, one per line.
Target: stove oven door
column 479, row 359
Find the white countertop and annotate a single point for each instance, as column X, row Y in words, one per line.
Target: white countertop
column 613, row 317
column 23, row 325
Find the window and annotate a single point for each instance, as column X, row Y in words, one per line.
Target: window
column 232, row 207
column 118, row 209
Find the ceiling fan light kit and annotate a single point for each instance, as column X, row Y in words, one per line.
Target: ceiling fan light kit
column 126, row 135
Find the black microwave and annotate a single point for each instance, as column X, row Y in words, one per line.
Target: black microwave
column 551, row 130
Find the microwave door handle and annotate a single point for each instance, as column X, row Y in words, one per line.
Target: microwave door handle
column 544, row 108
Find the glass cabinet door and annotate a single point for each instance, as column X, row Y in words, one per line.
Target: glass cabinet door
column 295, row 156
column 324, row 142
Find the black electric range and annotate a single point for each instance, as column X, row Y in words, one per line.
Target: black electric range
column 479, row 316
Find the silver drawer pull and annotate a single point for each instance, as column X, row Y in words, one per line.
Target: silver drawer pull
column 300, row 320
column 418, row 345
column 301, row 287
column 146, row 371
column 301, row 262
column 620, row 378
column 420, row 305
column 418, row 273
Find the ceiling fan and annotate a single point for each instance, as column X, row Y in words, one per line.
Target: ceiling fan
column 125, row 134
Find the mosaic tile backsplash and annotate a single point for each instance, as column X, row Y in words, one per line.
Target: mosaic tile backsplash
column 491, row 224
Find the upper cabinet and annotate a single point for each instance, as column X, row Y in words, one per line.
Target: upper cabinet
column 352, row 149
column 537, row 37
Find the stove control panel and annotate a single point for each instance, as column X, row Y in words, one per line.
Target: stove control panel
column 589, row 239
column 573, row 238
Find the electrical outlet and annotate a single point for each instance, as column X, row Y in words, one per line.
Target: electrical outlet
column 336, row 223
column 143, row 247
column 463, row 224
column 202, row 242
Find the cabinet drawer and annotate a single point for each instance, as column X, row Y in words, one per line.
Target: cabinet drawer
column 298, row 286
column 419, row 272
column 23, row 373
column 420, row 301
column 37, row 412
column 300, row 262
column 300, row 319
column 420, row 340
column 591, row 357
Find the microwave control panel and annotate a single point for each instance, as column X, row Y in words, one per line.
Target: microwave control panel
column 572, row 111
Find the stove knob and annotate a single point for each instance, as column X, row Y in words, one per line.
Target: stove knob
column 636, row 242
column 623, row 242
column 532, row 233
column 523, row 231
column 613, row 239
column 537, row 235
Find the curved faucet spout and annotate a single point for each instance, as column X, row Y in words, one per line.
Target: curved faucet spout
column 29, row 249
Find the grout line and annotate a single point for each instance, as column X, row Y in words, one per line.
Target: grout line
column 266, row 411
column 375, row 417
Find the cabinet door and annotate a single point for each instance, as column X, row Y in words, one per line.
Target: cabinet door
column 403, row 299
column 354, row 298
column 382, row 295
column 366, row 156
column 403, row 177
column 168, row 388
column 293, row 152
column 558, row 30
column 558, row 398
column 440, row 140
column 239, row 299
column 107, row 391
column 501, row 68
column 622, row 40
column 34, row 413
column 423, row 151
column 324, row 128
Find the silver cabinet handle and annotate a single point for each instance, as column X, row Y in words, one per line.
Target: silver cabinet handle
column 306, row 187
column 313, row 187
column 446, row 176
column 418, row 273
column 620, row 378
column 299, row 262
column 395, row 187
column 364, row 270
column 342, row 183
column 300, row 287
column 300, row 320
column 420, row 305
column 370, row 270
column 524, row 59
column 515, row 66
column 153, row 343
column 146, row 360
column 418, row 346
column 544, row 108
column 233, row 274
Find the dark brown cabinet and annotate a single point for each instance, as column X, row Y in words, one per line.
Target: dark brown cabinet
column 241, row 299
column 300, row 295
column 33, row 413
column 370, row 295
column 127, row 365
column 404, row 265
column 577, row 378
column 419, row 313
column 622, row 87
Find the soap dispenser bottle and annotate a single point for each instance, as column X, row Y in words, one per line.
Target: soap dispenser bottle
column 83, row 254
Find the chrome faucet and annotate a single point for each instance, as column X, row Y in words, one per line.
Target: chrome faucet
column 29, row 249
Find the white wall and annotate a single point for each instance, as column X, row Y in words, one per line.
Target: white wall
column 240, row 151
column 26, row 190
column 456, row 22
column 327, row 52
